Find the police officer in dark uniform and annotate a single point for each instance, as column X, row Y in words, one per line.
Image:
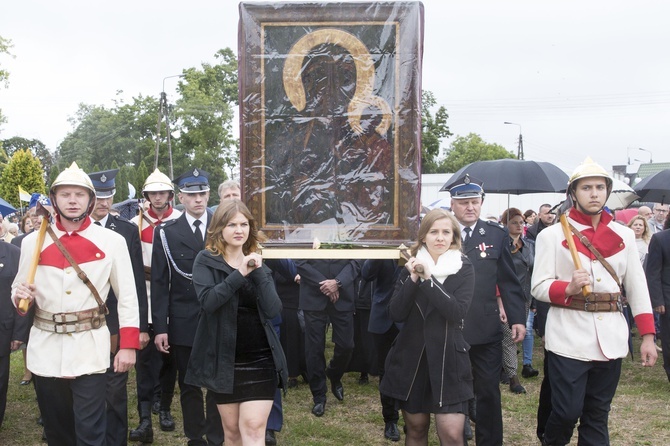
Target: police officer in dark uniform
column 117, row 396
column 488, row 246
column 173, row 299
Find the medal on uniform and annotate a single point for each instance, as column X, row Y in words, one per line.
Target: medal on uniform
column 482, row 247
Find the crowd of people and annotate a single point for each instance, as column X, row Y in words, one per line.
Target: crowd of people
column 185, row 297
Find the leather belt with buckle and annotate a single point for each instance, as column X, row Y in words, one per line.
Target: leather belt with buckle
column 73, row 322
column 595, row 303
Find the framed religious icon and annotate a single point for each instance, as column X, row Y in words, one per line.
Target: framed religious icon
column 330, row 120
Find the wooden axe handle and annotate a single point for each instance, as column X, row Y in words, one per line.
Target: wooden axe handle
column 25, row 303
column 406, row 255
column 586, row 290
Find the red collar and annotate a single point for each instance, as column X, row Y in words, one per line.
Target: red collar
column 604, row 239
column 153, row 214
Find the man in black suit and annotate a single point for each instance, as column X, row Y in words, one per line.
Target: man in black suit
column 658, row 282
column 173, row 299
column 544, row 219
column 13, row 328
column 104, row 183
column 487, row 245
column 327, row 294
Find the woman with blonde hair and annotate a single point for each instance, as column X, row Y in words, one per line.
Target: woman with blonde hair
column 428, row 368
column 642, row 235
column 236, row 352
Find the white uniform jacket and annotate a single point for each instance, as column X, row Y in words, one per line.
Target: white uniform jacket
column 581, row 335
column 149, row 222
column 102, row 254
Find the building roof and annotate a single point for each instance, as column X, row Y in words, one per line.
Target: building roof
column 651, row 168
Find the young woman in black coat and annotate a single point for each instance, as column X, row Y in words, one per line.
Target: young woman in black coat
column 236, row 352
column 428, row 368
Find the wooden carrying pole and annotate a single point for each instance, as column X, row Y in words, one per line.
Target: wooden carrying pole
column 24, row 304
column 586, row 290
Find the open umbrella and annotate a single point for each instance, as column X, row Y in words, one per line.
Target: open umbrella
column 512, row 176
column 655, row 188
column 622, row 196
column 6, row 208
column 128, row 208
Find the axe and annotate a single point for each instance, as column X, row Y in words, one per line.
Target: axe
column 562, row 211
column 24, row 304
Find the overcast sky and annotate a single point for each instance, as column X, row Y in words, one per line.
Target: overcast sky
column 580, row 77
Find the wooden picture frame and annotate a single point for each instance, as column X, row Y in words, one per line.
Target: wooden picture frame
column 330, row 120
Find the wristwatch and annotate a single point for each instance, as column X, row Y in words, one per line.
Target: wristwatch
column 339, row 284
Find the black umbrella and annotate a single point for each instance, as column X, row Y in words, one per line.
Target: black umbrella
column 512, row 176
column 655, row 188
column 128, row 208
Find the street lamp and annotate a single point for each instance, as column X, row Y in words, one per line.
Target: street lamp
column 643, row 150
column 519, row 153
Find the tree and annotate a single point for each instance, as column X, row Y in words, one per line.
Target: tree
column 124, row 133
column 433, row 129
column 37, row 147
column 22, row 170
column 5, row 46
column 468, row 149
column 205, row 115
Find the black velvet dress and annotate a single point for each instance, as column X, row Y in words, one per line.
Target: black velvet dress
column 254, row 377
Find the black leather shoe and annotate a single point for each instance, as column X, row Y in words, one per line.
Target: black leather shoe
column 515, row 386
column 529, row 372
column 144, row 432
column 166, row 421
column 319, row 409
column 337, row 390
column 391, row 431
column 270, row 439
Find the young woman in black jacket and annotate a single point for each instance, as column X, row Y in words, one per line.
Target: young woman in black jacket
column 236, row 352
column 428, row 368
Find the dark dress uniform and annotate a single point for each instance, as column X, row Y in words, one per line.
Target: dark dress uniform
column 488, row 248
column 12, row 326
column 174, row 298
column 318, row 309
column 117, row 395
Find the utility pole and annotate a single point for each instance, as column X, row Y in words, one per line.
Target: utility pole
column 519, row 153
column 164, row 112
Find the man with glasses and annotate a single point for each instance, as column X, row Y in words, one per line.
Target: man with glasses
column 656, row 222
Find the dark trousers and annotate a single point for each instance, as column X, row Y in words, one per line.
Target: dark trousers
column 544, row 403
column 73, row 410
column 292, row 337
column 4, row 385
column 486, row 360
column 117, row 407
column 198, row 423
column 167, row 377
column 664, row 320
column 315, row 345
column 580, row 390
column 147, row 368
column 383, row 344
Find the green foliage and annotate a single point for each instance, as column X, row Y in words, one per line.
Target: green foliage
column 141, row 175
column 37, row 148
column 433, row 129
column 204, row 115
column 22, row 170
column 5, row 46
column 124, row 133
column 468, row 149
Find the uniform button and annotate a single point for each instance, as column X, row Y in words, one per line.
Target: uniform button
column 600, row 318
column 598, row 279
column 68, row 292
column 594, row 260
column 97, row 255
column 67, row 271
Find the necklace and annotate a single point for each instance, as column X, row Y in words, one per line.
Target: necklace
column 234, row 263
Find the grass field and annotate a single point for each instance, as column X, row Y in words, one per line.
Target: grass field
column 639, row 412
